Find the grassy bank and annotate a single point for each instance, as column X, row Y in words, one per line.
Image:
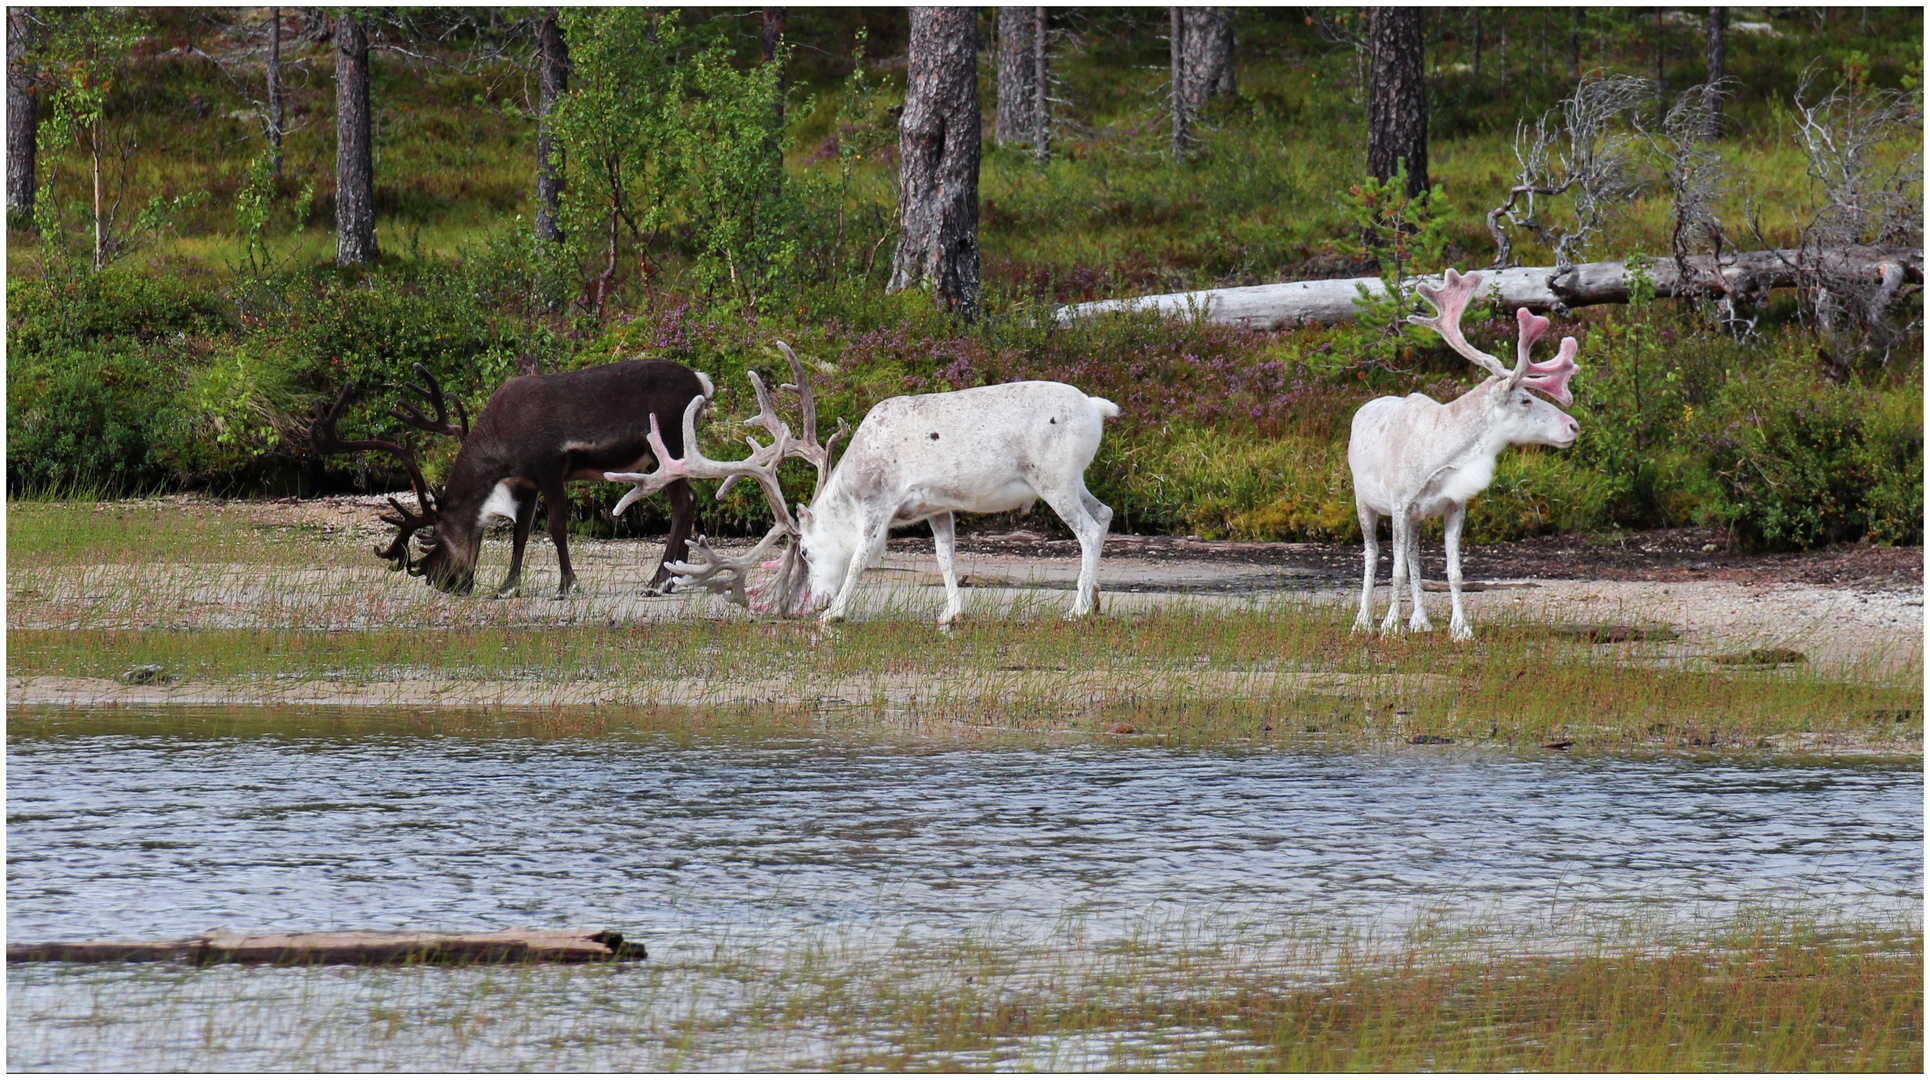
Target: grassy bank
column 247, row 611
column 1757, row 992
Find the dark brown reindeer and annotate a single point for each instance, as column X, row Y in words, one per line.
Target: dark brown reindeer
column 537, row 433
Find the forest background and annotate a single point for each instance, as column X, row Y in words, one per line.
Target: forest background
column 175, row 306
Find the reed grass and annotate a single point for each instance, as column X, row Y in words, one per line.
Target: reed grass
column 1760, row 991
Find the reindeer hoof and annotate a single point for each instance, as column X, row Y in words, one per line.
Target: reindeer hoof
column 1461, row 632
column 1362, row 625
column 507, row 592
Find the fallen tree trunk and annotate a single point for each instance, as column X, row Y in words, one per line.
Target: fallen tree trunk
column 1746, row 275
column 219, row 946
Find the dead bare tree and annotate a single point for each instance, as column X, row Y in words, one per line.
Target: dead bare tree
column 1862, row 192
column 1583, row 148
column 1694, row 173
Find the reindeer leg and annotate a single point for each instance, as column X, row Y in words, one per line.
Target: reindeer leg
column 676, row 546
column 1403, row 535
column 1458, row 628
column 1369, row 530
column 1089, row 564
column 559, row 511
column 525, row 516
column 1420, row 622
column 1090, row 528
column 945, row 541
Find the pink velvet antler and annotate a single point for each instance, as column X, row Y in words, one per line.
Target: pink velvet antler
column 1532, row 327
column 1450, row 301
column 1552, row 377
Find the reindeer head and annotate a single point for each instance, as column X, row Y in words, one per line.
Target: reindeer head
column 827, row 557
column 1516, row 416
column 437, row 563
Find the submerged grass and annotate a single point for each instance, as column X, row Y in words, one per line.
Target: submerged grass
column 1760, row 991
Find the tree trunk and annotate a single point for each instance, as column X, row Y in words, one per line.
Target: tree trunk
column 277, row 109
column 1041, row 85
column 938, row 150
column 1743, row 275
column 1712, row 86
column 1181, row 106
column 1476, row 66
column 1209, row 53
column 552, row 79
column 1020, row 28
column 1397, row 98
column 1661, row 67
column 22, row 129
column 354, row 147
column 1202, row 66
column 772, row 36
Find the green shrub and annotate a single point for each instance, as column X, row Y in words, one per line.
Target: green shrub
column 83, row 419
column 1795, row 463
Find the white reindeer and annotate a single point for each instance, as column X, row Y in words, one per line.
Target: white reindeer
column 981, row 450
column 912, row 459
column 1413, row 457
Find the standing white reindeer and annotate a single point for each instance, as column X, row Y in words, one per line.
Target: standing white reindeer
column 1413, row 457
column 912, row 459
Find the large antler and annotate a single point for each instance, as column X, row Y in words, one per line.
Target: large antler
column 323, row 438
column 1552, row 377
column 440, row 425
column 1451, row 300
column 718, row 573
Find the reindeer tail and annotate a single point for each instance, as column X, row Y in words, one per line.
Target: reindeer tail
column 1106, row 409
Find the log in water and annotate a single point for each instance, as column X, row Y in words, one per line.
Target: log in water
column 220, row 946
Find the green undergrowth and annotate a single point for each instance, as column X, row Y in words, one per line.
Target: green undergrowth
column 195, row 360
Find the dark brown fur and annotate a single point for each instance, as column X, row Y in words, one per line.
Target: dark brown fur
column 539, row 432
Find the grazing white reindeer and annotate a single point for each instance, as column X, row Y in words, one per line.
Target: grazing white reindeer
column 1413, row 457
column 981, row 450
column 912, row 459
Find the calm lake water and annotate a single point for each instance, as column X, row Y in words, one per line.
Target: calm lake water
column 156, row 828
